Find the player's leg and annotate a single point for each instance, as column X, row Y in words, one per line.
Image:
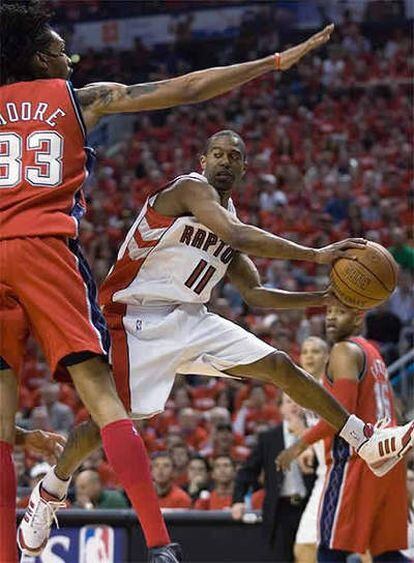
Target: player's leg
column 279, row 369
column 305, row 552
column 8, row 408
column 60, row 286
column 372, row 446
column 13, row 336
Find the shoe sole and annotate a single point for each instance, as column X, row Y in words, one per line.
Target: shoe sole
column 25, row 549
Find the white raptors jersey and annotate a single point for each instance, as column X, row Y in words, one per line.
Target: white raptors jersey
column 167, row 259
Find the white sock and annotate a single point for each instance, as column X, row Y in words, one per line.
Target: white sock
column 353, row 432
column 55, row 486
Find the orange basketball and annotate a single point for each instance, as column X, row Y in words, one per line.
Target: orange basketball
column 367, row 281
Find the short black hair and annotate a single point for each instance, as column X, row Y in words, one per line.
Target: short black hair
column 225, row 456
column 161, row 454
column 199, row 457
column 24, row 30
column 225, row 133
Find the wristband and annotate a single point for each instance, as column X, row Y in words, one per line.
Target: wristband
column 277, row 61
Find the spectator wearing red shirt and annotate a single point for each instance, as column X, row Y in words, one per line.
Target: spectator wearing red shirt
column 224, row 444
column 198, row 477
column 169, row 495
column 180, row 456
column 255, row 412
column 194, row 435
column 221, row 495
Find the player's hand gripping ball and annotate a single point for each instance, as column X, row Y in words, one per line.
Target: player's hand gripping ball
column 365, row 277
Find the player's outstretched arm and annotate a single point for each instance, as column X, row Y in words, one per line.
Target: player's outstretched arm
column 104, row 98
column 245, row 277
column 202, row 201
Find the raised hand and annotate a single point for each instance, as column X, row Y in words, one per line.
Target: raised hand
column 330, row 253
column 47, row 444
column 293, row 55
column 284, row 460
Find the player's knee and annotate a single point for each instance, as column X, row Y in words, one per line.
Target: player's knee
column 281, row 366
column 7, row 429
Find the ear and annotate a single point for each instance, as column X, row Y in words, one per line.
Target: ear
column 244, row 169
column 39, row 63
column 203, row 162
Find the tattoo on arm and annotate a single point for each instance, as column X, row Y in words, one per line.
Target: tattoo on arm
column 110, row 97
column 140, row 89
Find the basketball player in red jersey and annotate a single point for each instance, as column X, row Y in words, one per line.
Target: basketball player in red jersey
column 358, row 511
column 45, row 281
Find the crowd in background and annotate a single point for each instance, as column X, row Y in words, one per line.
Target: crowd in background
column 329, row 149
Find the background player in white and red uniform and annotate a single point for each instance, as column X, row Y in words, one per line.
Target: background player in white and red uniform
column 358, row 511
column 313, row 357
column 45, row 282
column 183, row 242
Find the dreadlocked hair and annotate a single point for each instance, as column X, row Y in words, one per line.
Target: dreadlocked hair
column 24, row 30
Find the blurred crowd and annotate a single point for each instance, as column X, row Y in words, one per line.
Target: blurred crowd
column 329, row 148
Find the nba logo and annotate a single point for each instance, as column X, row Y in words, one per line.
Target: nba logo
column 96, row 544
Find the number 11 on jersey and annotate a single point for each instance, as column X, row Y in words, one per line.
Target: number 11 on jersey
column 200, row 276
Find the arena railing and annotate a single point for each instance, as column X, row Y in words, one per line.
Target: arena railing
column 401, row 374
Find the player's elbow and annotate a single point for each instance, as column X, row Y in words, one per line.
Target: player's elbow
column 240, row 238
column 251, row 297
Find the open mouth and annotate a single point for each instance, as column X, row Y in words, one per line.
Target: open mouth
column 225, row 175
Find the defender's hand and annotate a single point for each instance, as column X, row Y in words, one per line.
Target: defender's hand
column 284, row 460
column 332, row 252
column 237, row 510
column 47, row 444
column 291, row 56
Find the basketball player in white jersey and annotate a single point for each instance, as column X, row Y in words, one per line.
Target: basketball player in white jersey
column 314, row 355
column 184, row 241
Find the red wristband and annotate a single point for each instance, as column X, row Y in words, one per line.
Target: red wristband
column 277, row 61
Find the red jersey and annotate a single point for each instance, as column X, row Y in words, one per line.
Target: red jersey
column 43, row 160
column 213, row 501
column 375, row 398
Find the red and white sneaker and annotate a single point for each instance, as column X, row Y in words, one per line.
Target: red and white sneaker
column 386, row 446
column 34, row 530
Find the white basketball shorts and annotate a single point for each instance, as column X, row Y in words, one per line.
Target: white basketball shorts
column 308, row 526
column 150, row 345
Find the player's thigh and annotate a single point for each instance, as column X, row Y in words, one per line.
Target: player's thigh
column 146, row 347
column 94, row 383
column 14, row 330
column 55, row 286
column 389, row 533
column 216, row 345
column 273, row 368
column 8, row 404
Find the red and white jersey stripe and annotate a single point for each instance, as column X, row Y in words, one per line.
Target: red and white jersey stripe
column 167, row 259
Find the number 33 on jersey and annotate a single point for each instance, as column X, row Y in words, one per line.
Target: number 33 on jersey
column 43, row 160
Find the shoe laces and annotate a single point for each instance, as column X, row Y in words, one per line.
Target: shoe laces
column 45, row 513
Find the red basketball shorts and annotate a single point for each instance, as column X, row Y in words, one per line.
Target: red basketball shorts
column 360, row 512
column 46, row 287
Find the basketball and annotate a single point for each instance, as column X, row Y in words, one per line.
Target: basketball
column 366, row 281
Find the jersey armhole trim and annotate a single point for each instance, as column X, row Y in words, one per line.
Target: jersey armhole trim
column 362, row 372
column 76, row 107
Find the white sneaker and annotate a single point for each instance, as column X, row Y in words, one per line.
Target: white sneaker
column 387, row 446
column 34, row 529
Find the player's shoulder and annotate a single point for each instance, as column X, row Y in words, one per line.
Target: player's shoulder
column 345, row 349
column 192, row 185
